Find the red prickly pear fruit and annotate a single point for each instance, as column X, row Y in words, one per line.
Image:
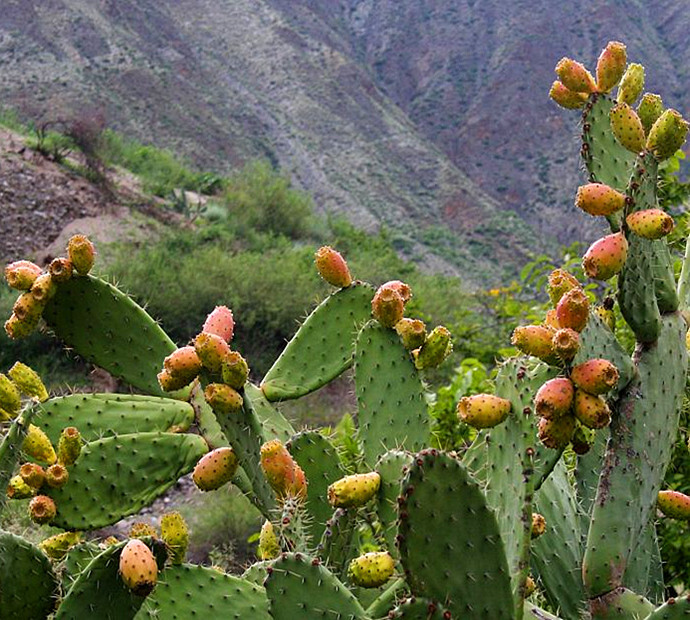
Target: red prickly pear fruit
column 650, row 108
column 16, row 328
column 56, row 547
column 437, row 347
column 387, row 306
column 606, row 257
column 596, row 376
column 354, row 491
column 611, row 65
column 212, row 350
column 412, row 333
column 530, row 586
column 650, row 223
column 69, row 446
column 559, row 283
column 215, row 469
column 21, row 274
column 269, row 547
column 667, row 134
column 536, row 340
column 140, row 529
column 235, row 370
column 599, row 199
column 573, row 310
column 483, row 410
column 554, row 399
column 674, row 504
column 551, row 320
column 220, row 322
column 591, row 410
column 556, row 433
column 175, row 535
column 332, row 267
column 170, row 383
column 43, row 287
column 371, row 570
column 183, row 364
column 28, row 381
column 42, row 509
column 10, row 398
column 583, row 439
column 566, row 343
column 37, row 445
column 27, row 308
column 283, row 474
column 222, row 398
column 632, row 84
column 34, row 475
column 81, row 253
column 627, row 127
column 18, row 489
column 565, row 97
column 574, row 76
column 399, row 287
column 538, row 525
column 60, row 269
column 57, row 476
column 138, row 568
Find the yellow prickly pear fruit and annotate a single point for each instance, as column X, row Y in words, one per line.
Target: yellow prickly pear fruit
column 42, row 509
column 220, row 322
column 536, row 340
column 400, row 288
column 212, row 350
column 17, row 328
column 215, row 469
column 69, row 446
column 28, row 309
column 28, row 381
column 21, row 274
column 556, row 433
column 170, row 383
column 606, row 257
column 57, row 476
column 282, row 472
column 175, row 534
column 37, row 446
column 56, row 547
column 611, row 65
column 437, row 346
column 591, row 410
column 574, row 76
column 138, row 568
column 667, row 134
column 606, row 314
column 82, row 254
column 34, row 475
column 43, row 287
column 269, row 547
column 674, row 504
column 387, row 306
column 573, row 310
column 566, row 343
column 554, row 398
column 559, row 283
column 183, row 365
column 632, row 84
column 355, row 490
column 583, row 439
column 565, row 97
column 371, row 570
column 595, row 376
column 18, row 489
column 483, row 410
column 235, row 370
column 538, row 525
column 332, row 267
column 627, row 127
column 551, row 320
column 650, row 223
column 649, row 110
column 10, row 398
column 60, row 269
column 222, row 398
column 412, row 333
column 140, row 529
column 598, row 199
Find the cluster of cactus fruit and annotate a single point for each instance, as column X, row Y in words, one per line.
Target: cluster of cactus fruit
column 411, row 532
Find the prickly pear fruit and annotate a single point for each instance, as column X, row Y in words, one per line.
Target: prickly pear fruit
column 170, row 383
column 140, row 529
column 10, row 398
column 371, row 570
column 215, row 469
column 332, row 267
column 222, row 398
column 566, row 343
column 583, row 439
column 538, row 525
column 42, row 509
column 554, row 398
column 43, row 287
column 269, row 547
column 175, row 534
column 235, row 370
column 138, row 568
column 81, row 253
column 574, row 76
column 606, row 257
column 611, row 66
column 57, row 476
column 650, row 223
column 212, row 350
column 183, row 364
column 632, row 84
column 400, row 288
column 565, row 97
column 596, row 376
column 606, row 314
column 17, row 328
column 282, row 472
column 220, row 322
column 34, row 475
column 56, row 547
column 530, row 586
column 551, row 320
column 387, row 306
column 412, row 333
column 627, row 127
column 534, row 340
column 599, row 199
column 436, row 348
column 591, row 410
column 21, row 274
column 27, row 308
column 674, row 504
column 483, row 410
column 573, row 310
column 18, row 489
column 60, row 269
column 556, row 433
column 28, row 381
column 649, row 110
column 37, row 446
column 353, row 491
column 69, row 446
column 560, row 282
column 667, row 134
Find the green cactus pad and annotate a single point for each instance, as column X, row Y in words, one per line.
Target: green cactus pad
column 101, row 415
column 419, row 609
column 336, row 548
column 299, row 587
column 28, row 585
column 532, row 612
column 674, row 609
column 391, row 469
column 451, row 549
column 642, row 436
column 620, row 604
column 189, row 591
column 274, row 424
column 207, row 422
column 257, row 572
column 321, row 464
column 392, row 410
column 117, row 476
column 322, row 347
column 385, row 601
column 99, row 592
column 107, row 328
column 644, row 573
column 10, row 450
column 76, row 560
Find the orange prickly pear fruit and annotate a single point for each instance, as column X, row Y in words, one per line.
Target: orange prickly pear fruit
column 560, row 282
column 21, row 274
column 220, row 322
column 353, row 491
column 591, row 410
column 483, row 410
column 138, row 568
column 536, row 340
column 551, row 320
column 235, row 370
column 567, row 98
column 28, row 381
column 674, row 504
column 566, row 343
column 399, row 287
column 371, row 570
column 606, row 257
column 554, row 399
column 649, row 110
column 56, row 547
column 57, row 476
column 215, row 469
column 387, row 306
column 599, row 199
column 81, row 253
column 42, row 509
column 175, row 534
column 437, row 346
column 667, row 134
column 10, row 398
column 573, row 310
column 611, row 65
column 538, row 525
column 43, row 288
column 60, row 269
column 269, row 547
column 222, row 398
column 556, row 433
column 632, row 84
column 412, row 333
column 18, row 489
column 650, row 223
column 283, row 474
column 34, row 475
column 69, row 446
column 332, row 267
column 183, row 364
column 595, row 376
column 574, row 76
column 212, row 350
column 627, row 127
column 37, row 445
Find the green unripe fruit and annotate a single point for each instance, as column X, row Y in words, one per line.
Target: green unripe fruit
column 81, row 253
column 175, row 534
column 222, row 398
column 69, row 446
column 140, row 529
column 583, row 439
column 235, row 370
column 632, row 84
column 353, row 491
column 18, row 489
column 667, row 134
column 627, row 127
column 138, row 568
column 436, row 348
column 371, row 570
column 10, row 398
column 649, row 110
column 269, row 547
column 56, row 547
column 28, row 381
column 37, row 445
column 17, row 328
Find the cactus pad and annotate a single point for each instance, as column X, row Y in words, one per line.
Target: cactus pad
column 10, row 450
column 674, row 609
column 274, row 424
column 391, row 468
